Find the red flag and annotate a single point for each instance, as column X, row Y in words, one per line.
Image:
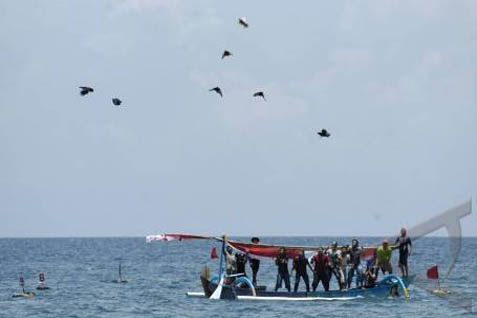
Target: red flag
column 432, row 273
column 213, row 253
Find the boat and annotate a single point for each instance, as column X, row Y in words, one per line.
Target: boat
column 389, row 286
column 215, row 287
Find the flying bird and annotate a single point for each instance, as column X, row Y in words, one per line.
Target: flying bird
column 226, row 53
column 324, row 133
column 243, row 22
column 116, row 101
column 217, row 90
column 259, row 94
column 85, row 90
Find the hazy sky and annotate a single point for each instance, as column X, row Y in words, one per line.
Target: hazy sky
column 395, row 83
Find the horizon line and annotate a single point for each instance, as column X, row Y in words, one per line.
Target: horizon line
column 237, row 236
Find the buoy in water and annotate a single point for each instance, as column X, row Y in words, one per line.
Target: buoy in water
column 440, row 292
column 42, row 282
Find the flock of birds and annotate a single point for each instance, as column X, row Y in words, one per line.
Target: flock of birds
column 243, row 22
column 85, row 90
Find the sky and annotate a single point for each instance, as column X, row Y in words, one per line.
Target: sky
column 394, row 82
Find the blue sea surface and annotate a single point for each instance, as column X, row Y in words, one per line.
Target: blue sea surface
column 80, row 272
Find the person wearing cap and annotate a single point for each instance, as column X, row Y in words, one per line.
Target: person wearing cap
column 254, row 263
column 404, row 244
column 384, row 254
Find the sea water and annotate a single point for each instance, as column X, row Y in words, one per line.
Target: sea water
column 80, row 272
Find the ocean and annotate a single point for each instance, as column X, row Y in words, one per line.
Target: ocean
column 80, row 272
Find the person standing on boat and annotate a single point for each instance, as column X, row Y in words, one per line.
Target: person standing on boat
column 230, row 264
column 240, row 261
column 335, row 263
column 354, row 261
column 282, row 263
column 300, row 263
column 254, row 263
column 320, row 261
column 384, row 254
column 344, row 261
column 404, row 244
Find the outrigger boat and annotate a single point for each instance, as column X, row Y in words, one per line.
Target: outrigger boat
column 242, row 288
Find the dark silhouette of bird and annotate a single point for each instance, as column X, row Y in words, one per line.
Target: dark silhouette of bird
column 324, row 133
column 226, row 53
column 259, row 94
column 85, row 90
column 116, row 101
column 217, row 90
column 243, row 22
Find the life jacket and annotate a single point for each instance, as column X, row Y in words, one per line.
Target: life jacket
column 282, row 263
column 321, row 262
column 240, row 261
column 299, row 264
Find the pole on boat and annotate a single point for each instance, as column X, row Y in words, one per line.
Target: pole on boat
column 221, row 261
column 22, row 282
column 218, row 291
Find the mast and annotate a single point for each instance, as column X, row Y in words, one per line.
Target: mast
column 22, row 282
column 221, row 259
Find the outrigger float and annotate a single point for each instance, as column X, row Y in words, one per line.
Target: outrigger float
column 215, row 287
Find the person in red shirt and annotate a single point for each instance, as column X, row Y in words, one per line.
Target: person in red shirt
column 320, row 263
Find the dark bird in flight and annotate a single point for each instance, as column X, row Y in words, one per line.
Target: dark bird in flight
column 85, row 90
column 324, row 133
column 116, row 101
column 217, row 90
column 259, row 94
column 226, row 53
column 243, row 22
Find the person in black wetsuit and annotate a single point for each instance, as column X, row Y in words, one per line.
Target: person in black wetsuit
column 254, row 263
column 404, row 244
column 354, row 260
column 299, row 266
column 282, row 263
column 240, row 261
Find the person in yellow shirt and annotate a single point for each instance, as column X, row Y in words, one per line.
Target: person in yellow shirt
column 383, row 260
